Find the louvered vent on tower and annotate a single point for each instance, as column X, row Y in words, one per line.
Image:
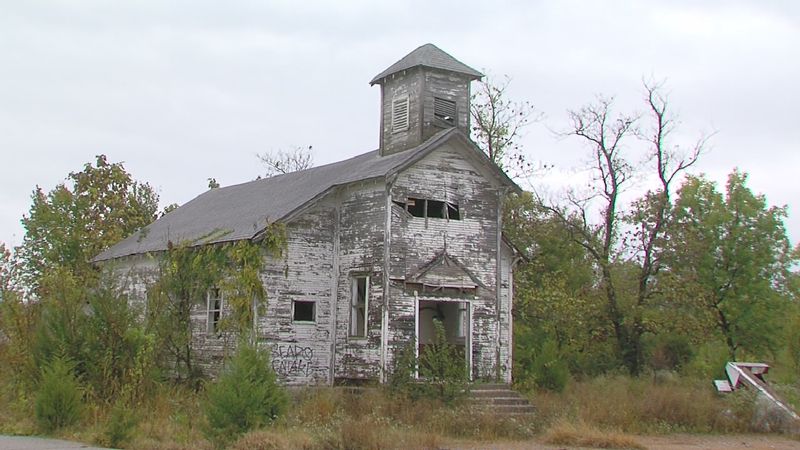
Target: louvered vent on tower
column 400, row 114
column 444, row 110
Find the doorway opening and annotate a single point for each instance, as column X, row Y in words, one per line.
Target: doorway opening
column 455, row 318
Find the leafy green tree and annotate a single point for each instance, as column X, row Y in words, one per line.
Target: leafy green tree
column 731, row 255
column 619, row 238
column 555, row 297
column 71, row 224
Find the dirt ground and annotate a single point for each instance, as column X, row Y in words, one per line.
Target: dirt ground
column 670, row 442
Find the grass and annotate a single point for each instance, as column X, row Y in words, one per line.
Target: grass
column 603, row 412
column 642, row 406
column 582, row 435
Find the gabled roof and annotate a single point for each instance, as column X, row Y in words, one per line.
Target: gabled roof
column 244, row 210
column 428, row 55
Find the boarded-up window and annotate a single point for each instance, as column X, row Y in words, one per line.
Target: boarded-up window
column 400, row 114
column 358, row 306
column 213, row 310
column 444, row 110
column 304, row 311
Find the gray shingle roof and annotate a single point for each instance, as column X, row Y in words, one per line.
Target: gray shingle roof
column 241, row 211
column 428, row 55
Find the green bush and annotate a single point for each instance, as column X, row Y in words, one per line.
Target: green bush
column 58, row 403
column 442, row 367
column 442, row 370
column 245, row 397
column 549, row 369
column 402, row 377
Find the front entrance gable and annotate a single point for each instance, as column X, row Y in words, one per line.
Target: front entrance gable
column 443, row 273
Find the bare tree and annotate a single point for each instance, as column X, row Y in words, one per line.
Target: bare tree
column 285, row 161
column 608, row 136
column 497, row 124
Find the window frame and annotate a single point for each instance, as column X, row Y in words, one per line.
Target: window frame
column 355, row 305
column 214, row 315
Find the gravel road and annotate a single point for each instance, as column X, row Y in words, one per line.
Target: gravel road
column 35, row 443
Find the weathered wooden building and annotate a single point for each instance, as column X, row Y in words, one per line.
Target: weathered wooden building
column 378, row 245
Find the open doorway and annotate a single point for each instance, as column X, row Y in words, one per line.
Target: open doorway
column 455, row 317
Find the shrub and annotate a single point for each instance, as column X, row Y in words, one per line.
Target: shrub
column 442, row 367
column 245, row 397
column 671, row 351
column 121, row 424
column 549, row 370
column 401, row 379
column 58, row 403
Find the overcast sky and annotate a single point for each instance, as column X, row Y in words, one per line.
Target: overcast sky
column 181, row 91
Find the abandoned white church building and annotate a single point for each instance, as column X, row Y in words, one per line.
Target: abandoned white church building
column 377, row 245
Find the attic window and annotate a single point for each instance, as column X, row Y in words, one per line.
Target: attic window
column 444, row 110
column 399, row 114
column 434, row 209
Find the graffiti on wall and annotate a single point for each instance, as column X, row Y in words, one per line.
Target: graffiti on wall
column 292, row 360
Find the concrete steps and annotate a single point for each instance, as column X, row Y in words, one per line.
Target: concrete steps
column 499, row 399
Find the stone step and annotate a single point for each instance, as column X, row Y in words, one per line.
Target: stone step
column 494, row 393
column 499, row 401
column 489, row 386
column 498, row 398
column 511, row 409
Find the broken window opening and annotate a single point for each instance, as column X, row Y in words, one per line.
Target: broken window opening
column 304, row 311
column 435, row 209
column 453, row 213
column 358, row 306
column 416, row 207
column 213, row 309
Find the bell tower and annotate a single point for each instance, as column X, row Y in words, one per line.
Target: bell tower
column 421, row 94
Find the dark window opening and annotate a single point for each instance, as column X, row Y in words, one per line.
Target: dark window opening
column 444, row 110
column 435, row 209
column 416, row 207
column 358, row 307
column 453, row 213
column 303, row 311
